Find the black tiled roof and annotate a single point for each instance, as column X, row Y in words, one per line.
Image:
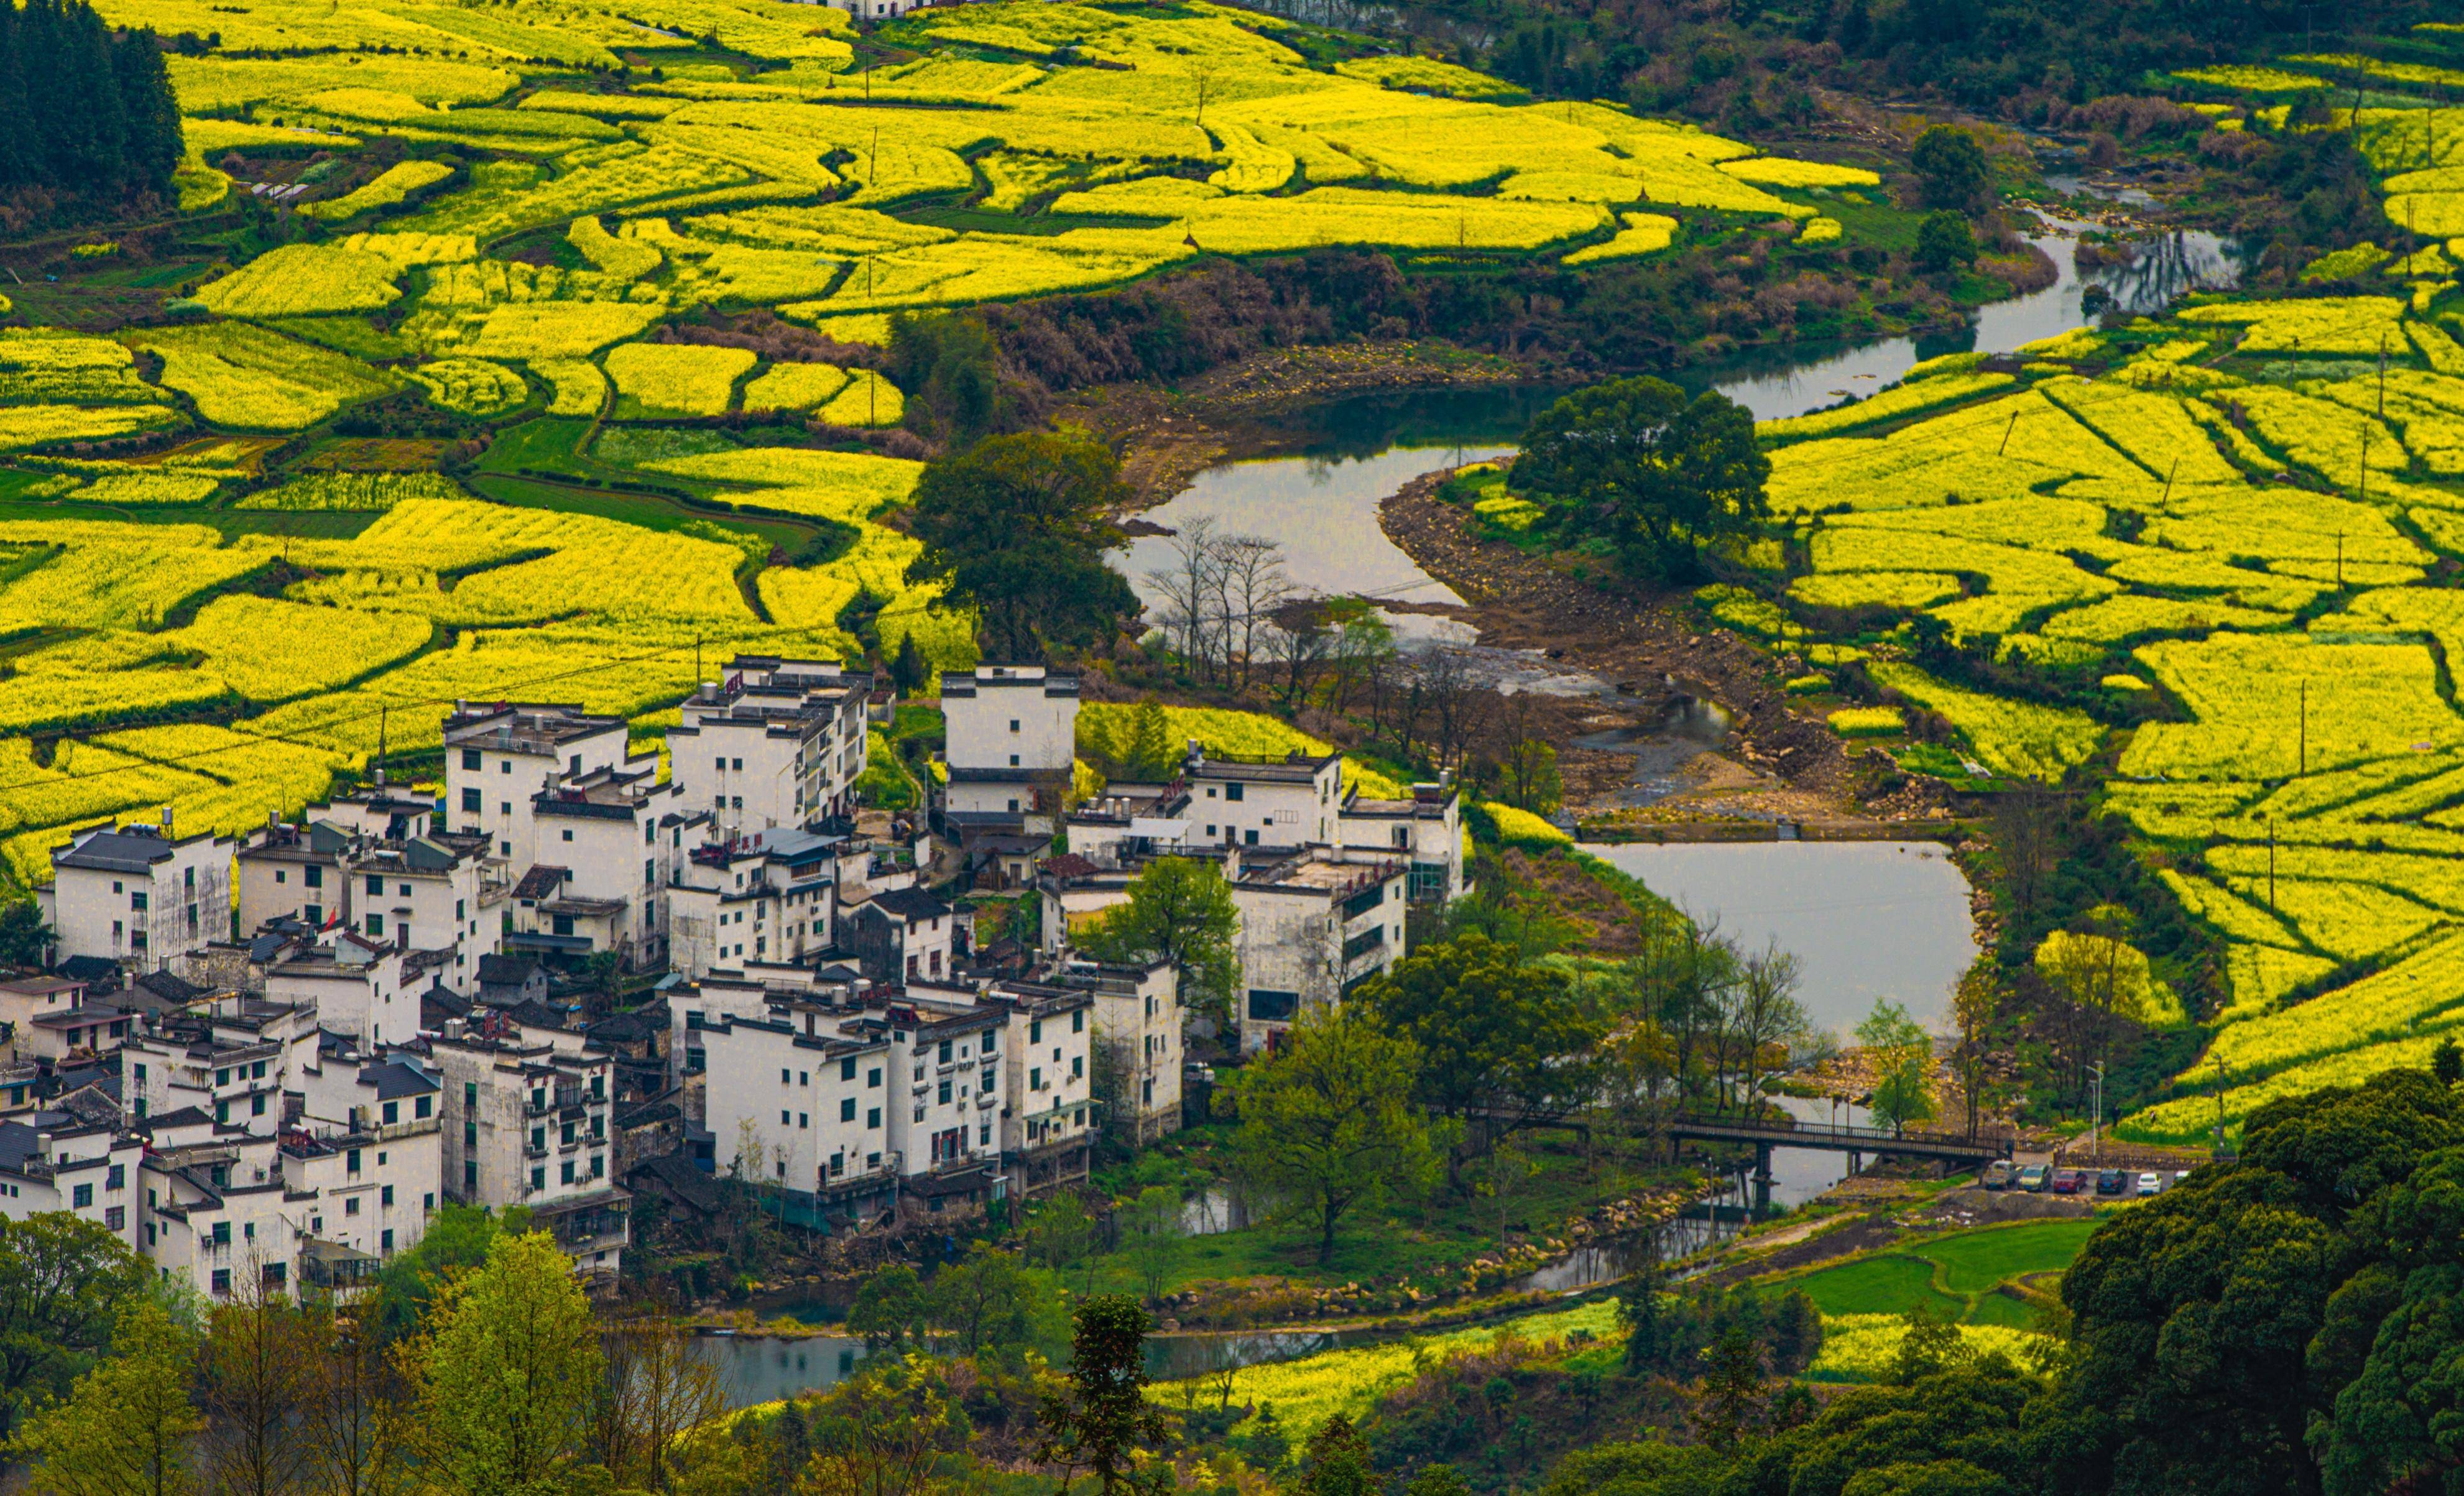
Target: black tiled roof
column 395, row 1080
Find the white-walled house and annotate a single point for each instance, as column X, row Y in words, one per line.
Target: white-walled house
column 1138, row 1016
column 50, row 1161
column 1425, row 831
column 1047, row 1057
column 765, row 898
column 1313, row 926
column 497, row 757
column 360, row 987
column 903, row 936
column 776, row 743
column 601, row 833
column 527, row 1125
column 793, row 1101
column 372, row 1145
column 296, row 873
column 1011, row 748
column 138, row 895
column 219, row 1213
column 1294, row 802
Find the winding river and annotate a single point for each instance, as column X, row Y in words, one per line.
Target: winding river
column 1866, row 920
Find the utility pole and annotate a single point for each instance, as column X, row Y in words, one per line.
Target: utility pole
column 2095, row 1114
column 2005, row 434
column 2169, row 483
column 2270, row 864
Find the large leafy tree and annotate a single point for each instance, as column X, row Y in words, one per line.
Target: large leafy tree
column 1638, row 464
column 2279, row 1320
column 1330, row 1120
column 127, row 1427
column 1501, row 1043
column 507, row 1377
column 64, row 1283
column 1179, row 913
column 1017, row 527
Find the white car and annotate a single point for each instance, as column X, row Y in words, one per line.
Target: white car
column 2149, row 1184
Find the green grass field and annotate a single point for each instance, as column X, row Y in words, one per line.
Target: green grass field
column 1959, row 1274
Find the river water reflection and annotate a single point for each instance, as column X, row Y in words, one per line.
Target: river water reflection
column 1867, row 920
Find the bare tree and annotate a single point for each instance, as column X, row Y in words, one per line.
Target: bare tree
column 1765, row 1010
column 657, row 1385
column 1458, row 702
column 1303, row 642
column 255, row 1378
column 1190, row 588
column 354, row 1417
column 1253, row 585
column 2027, row 833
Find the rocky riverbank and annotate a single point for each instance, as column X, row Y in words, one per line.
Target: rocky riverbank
column 1774, row 765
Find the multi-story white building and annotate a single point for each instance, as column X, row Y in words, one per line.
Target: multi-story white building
column 358, row 985
column 1011, row 750
column 499, row 758
column 218, row 1211
column 777, row 744
column 1426, row 831
column 795, row 1104
column 1313, row 926
column 138, row 895
column 903, row 936
column 424, row 895
column 1139, row 1019
column 370, row 1144
column 50, row 1161
column 766, row 897
column 233, row 1062
column 914, row 1101
column 1291, row 804
column 600, row 834
column 526, row 1123
column 1047, row 1064
column 296, row 873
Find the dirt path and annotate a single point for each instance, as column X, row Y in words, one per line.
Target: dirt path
column 1778, row 765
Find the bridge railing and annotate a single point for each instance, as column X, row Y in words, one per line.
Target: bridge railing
column 1841, row 1133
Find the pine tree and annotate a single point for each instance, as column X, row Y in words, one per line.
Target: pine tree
column 84, row 110
column 1151, row 750
column 1733, row 1389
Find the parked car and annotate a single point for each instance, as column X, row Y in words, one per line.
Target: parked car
column 2034, row 1179
column 1998, row 1175
column 2112, row 1181
column 2068, row 1181
column 2150, row 1183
